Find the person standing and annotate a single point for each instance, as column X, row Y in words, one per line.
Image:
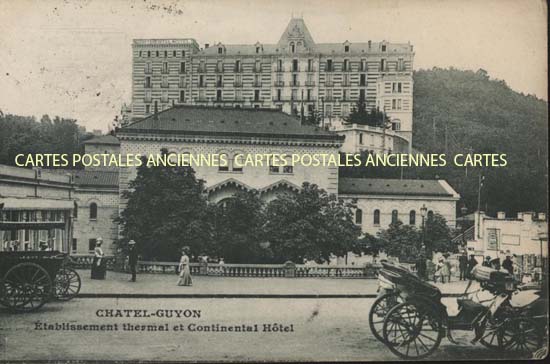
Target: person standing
column 98, row 264
column 185, row 271
column 487, row 261
column 132, row 259
column 463, row 265
column 471, row 264
column 508, row 265
column 421, row 267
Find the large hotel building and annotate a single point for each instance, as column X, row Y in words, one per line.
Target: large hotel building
column 295, row 75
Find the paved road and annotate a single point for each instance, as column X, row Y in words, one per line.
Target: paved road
column 322, row 330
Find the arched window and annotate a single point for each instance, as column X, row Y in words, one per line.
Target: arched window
column 93, row 211
column 412, row 217
column 430, row 215
column 394, row 216
column 359, row 216
column 376, row 220
column 75, row 211
column 396, row 124
column 224, row 167
column 292, row 47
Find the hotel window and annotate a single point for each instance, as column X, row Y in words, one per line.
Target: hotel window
column 280, row 65
column 91, row 244
column 174, row 54
column 201, row 81
column 383, row 47
column 359, row 216
column 140, row 53
column 396, row 125
column 148, row 53
column 256, row 95
column 310, row 65
column 294, row 65
column 292, row 47
column 157, row 53
column 164, row 81
column 400, row 65
column 257, row 66
column 278, row 94
column 430, row 215
column 219, row 66
column 148, row 67
column 396, row 87
column 165, row 54
column 273, row 169
column 288, row 169
column 183, row 53
column 363, row 65
column 147, row 109
column 362, row 94
column 362, row 80
column 309, row 94
column 93, row 211
column 147, row 82
column 396, row 104
column 382, row 64
column 346, row 48
column 164, row 96
column 182, row 67
column 329, row 65
column 345, row 109
column 219, row 81
column 238, row 94
column 182, row 82
column 345, row 66
column 329, row 94
column 257, row 49
column 219, row 95
column 345, row 96
column 412, row 217
column 295, row 80
column 257, row 81
column 294, row 94
column 394, row 217
column 237, row 66
column 328, row 110
column 220, row 50
column 74, row 245
column 360, row 138
column 376, row 218
column 345, row 80
column 182, row 96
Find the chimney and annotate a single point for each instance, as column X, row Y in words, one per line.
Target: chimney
column 501, row 215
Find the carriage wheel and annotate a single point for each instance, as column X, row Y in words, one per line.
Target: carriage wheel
column 492, row 337
column 67, row 284
column 412, row 330
column 381, row 306
column 522, row 335
column 26, row 287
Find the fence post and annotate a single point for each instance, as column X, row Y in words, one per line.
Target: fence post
column 290, row 270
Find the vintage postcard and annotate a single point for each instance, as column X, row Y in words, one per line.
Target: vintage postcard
column 273, row 181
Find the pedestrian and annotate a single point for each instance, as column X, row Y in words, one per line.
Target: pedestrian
column 487, row 261
column 439, row 270
column 463, row 265
column 495, row 263
column 508, row 265
column 221, row 264
column 185, row 271
column 421, row 267
column 98, row 264
column 132, row 259
column 471, row 264
column 447, row 268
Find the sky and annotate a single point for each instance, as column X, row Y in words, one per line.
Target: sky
column 73, row 58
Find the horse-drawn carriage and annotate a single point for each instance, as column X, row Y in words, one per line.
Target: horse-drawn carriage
column 29, row 279
column 410, row 319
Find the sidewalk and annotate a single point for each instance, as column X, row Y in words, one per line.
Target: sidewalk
column 159, row 285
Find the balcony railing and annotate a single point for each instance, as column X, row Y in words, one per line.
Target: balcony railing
column 219, row 69
column 310, row 83
column 295, row 83
column 238, row 84
column 257, row 83
column 238, row 69
column 257, row 69
column 279, row 83
column 202, row 69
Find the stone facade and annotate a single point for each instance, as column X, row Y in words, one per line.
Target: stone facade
column 294, row 74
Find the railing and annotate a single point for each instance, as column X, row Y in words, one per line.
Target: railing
column 237, row 84
column 84, row 261
column 279, row 83
column 310, row 83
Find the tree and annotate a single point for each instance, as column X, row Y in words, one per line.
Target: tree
column 166, row 210
column 438, row 235
column 361, row 116
column 402, row 241
column 310, row 224
column 368, row 244
column 313, row 118
column 238, row 223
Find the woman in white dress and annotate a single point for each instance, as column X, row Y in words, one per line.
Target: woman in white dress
column 185, row 271
column 98, row 264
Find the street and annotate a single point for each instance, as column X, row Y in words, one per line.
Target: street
column 298, row 330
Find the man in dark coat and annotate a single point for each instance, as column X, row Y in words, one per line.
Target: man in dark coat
column 421, row 266
column 132, row 259
column 463, row 265
column 508, row 265
column 471, row 264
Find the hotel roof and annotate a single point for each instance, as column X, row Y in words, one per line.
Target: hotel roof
column 191, row 119
column 408, row 187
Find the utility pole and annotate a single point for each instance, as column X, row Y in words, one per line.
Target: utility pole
column 481, row 178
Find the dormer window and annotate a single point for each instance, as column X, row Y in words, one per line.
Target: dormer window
column 292, row 47
column 258, row 49
column 346, row 49
column 383, row 47
column 220, row 50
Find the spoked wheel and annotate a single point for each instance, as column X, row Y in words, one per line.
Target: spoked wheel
column 26, row 287
column 381, row 306
column 522, row 335
column 412, row 331
column 492, row 337
column 67, row 284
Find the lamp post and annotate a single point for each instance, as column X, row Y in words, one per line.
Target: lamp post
column 423, row 211
column 463, row 211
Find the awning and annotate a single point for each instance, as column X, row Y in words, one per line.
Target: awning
column 31, row 203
